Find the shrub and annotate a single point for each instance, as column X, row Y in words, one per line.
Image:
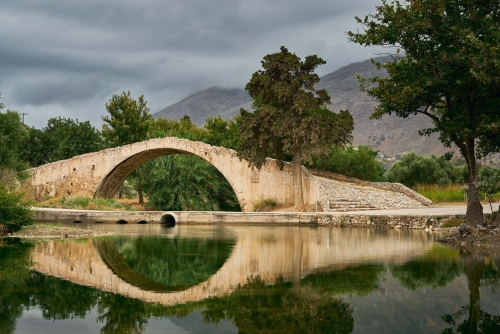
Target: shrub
column 414, row 169
column 14, row 211
column 452, row 222
column 264, row 204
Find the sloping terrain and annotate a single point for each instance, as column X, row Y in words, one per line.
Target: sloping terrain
column 390, row 135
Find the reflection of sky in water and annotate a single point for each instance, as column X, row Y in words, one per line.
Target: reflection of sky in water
column 385, row 276
column 393, row 309
column 32, row 322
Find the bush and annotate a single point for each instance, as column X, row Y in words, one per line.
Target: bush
column 353, row 162
column 452, row 222
column 415, row 169
column 264, row 204
column 14, row 211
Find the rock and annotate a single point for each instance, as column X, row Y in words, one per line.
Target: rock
column 426, row 230
column 463, row 244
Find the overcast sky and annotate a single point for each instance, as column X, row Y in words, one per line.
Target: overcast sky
column 67, row 58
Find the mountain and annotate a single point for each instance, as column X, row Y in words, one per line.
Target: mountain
column 390, row 135
column 208, row 103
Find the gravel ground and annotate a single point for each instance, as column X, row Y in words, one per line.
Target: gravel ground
column 45, row 231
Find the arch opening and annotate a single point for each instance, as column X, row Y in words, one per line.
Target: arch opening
column 142, row 222
column 169, row 220
column 122, row 222
column 200, row 185
column 177, row 263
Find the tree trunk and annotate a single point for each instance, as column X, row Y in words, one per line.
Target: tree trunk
column 297, row 179
column 139, row 191
column 474, row 270
column 474, row 214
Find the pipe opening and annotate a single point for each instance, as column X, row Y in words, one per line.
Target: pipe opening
column 142, row 222
column 122, row 221
column 168, row 220
column 77, row 222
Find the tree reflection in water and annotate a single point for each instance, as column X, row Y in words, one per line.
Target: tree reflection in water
column 480, row 271
column 278, row 308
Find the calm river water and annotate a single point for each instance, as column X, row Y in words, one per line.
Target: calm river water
column 246, row 279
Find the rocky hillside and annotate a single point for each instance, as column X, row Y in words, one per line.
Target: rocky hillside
column 390, row 135
column 208, row 103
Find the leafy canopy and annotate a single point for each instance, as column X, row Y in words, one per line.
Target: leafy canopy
column 447, row 67
column 128, row 121
column 415, row 169
column 62, row 138
column 12, row 134
column 289, row 113
column 356, row 162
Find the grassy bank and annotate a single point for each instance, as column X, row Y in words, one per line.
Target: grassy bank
column 438, row 194
column 85, row 203
column 449, row 193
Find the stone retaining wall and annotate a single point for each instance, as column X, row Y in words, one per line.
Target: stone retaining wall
column 428, row 223
column 372, row 197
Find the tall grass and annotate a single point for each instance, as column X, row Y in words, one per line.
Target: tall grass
column 86, row 203
column 448, row 193
column 436, row 193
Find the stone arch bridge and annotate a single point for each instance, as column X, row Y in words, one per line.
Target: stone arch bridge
column 100, row 174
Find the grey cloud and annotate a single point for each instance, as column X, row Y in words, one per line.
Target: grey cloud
column 67, row 56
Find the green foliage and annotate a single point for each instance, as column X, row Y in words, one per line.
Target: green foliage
column 415, row 169
column 223, row 133
column 437, row 194
column 62, row 138
column 436, row 269
column 85, row 203
column 128, row 121
column 290, row 116
column 176, row 263
column 453, row 222
column 264, row 203
column 278, row 308
column 489, row 179
column 354, row 162
column 289, row 113
column 12, row 134
column 182, row 128
column 446, row 68
column 182, row 182
column 360, row 280
column 14, row 210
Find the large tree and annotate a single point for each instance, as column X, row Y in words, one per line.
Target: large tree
column 290, row 116
column 447, row 67
column 12, row 134
column 129, row 121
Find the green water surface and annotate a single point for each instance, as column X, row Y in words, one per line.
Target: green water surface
column 306, row 280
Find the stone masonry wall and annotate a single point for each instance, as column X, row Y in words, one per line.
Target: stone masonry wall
column 362, row 197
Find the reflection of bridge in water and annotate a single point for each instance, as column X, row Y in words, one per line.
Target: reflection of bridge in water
column 265, row 252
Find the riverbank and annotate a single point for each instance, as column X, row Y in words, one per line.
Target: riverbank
column 51, row 231
column 467, row 236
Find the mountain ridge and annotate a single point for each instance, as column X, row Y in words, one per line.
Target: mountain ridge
column 392, row 136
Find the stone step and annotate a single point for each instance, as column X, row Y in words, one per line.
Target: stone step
column 368, row 206
column 349, row 209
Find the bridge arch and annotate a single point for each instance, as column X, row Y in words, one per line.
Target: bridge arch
column 112, row 181
column 100, row 174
